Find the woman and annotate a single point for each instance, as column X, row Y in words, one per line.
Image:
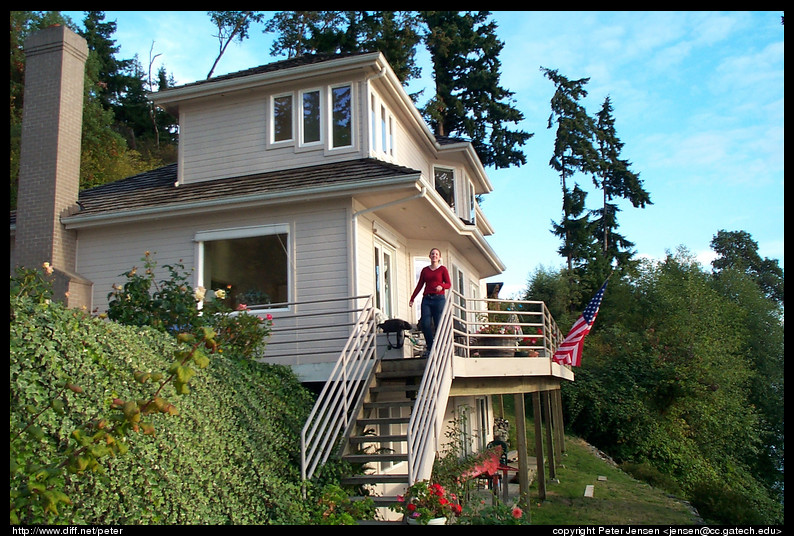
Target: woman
column 435, row 280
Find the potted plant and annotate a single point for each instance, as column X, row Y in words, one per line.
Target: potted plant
column 426, row 503
column 525, row 344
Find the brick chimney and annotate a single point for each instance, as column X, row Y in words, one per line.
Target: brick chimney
column 49, row 162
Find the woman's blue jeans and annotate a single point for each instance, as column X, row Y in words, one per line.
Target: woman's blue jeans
column 432, row 307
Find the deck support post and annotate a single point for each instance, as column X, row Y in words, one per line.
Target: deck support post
column 523, row 459
column 539, row 446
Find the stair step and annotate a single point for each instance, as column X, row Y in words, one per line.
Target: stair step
column 384, row 420
column 390, row 404
column 366, row 458
column 375, row 479
column 379, row 500
column 393, row 388
column 411, row 365
column 378, row 439
column 398, row 374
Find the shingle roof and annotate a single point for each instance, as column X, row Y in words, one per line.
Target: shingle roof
column 157, row 188
column 298, row 61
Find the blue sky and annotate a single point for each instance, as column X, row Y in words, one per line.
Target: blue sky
column 697, row 98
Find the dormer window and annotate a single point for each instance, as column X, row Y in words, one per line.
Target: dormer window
column 445, row 184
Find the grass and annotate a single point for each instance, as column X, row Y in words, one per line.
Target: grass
column 618, row 500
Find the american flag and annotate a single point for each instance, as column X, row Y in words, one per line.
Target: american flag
column 570, row 351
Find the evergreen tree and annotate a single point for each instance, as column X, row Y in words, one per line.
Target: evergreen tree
column 616, row 179
column 739, row 251
column 469, row 101
column 108, row 70
column 573, row 152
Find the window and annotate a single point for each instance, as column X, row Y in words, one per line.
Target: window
column 459, row 285
column 374, row 121
column 445, row 185
column 342, row 118
column 468, row 215
column 384, row 279
column 384, row 142
column 282, row 118
column 250, row 264
column 311, row 116
column 391, row 136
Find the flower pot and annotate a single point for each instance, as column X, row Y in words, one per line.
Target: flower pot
column 499, row 346
column 434, row 521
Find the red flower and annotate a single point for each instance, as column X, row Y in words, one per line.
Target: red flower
column 517, row 513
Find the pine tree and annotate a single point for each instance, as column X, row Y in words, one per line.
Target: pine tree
column 469, row 101
column 616, row 179
column 573, row 152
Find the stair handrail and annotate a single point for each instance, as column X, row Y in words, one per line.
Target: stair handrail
column 431, row 398
column 342, row 393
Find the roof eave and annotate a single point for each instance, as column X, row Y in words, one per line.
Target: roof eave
column 81, row 221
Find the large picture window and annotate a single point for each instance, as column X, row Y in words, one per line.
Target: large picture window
column 251, row 265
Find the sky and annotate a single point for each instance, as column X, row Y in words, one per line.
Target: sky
column 697, row 99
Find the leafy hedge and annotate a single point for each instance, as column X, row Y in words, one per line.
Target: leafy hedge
column 231, row 455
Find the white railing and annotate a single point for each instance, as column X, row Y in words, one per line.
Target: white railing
column 431, row 400
column 487, row 326
column 465, row 329
column 335, row 410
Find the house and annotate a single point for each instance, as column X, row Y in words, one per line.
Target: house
column 313, row 187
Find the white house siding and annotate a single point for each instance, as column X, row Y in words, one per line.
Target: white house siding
column 318, row 241
column 229, row 136
column 365, row 263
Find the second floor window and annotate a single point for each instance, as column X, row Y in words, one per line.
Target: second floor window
column 342, row 116
column 445, row 185
column 282, row 118
column 311, row 116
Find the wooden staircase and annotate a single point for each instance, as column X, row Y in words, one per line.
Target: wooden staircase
column 379, row 443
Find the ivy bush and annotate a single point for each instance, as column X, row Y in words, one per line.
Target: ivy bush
column 230, row 455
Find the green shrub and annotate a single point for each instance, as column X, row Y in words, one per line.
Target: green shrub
column 718, row 503
column 230, row 456
column 172, row 305
column 648, row 473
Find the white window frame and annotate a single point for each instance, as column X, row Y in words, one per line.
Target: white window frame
column 201, row 237
column 301, row 121
column 454, row 199
column 330, row 113
column 272, row 123
column 384, row 294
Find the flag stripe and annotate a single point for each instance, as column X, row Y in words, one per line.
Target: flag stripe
column 570, row 350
